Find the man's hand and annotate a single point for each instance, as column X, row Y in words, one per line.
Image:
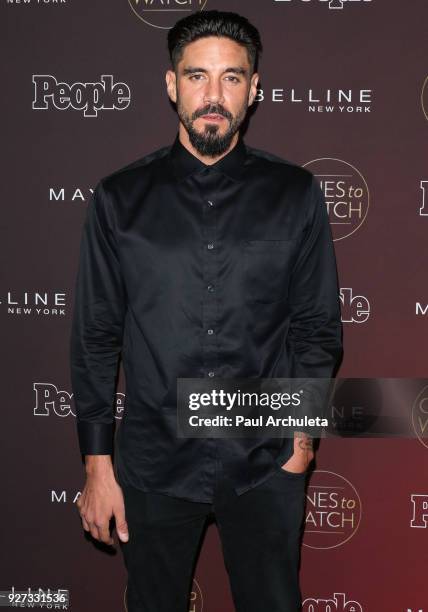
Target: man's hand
column 101, row 499
column 302, row 455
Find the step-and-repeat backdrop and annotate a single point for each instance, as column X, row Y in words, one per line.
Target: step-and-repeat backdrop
column 344, row 92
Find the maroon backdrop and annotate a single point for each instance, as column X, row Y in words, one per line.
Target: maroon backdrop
column 345, row 92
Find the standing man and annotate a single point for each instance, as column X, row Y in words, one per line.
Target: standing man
column 206, row 258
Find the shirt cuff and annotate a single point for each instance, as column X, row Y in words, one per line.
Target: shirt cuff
column 95, row 438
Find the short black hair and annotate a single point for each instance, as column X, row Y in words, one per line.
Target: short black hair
column 214, row 23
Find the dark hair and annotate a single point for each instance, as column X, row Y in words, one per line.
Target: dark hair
column 214, row 23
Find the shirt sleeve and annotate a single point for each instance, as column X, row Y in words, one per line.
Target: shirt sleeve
column 97, row 327
column 315, row 333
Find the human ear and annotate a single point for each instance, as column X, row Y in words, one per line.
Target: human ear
column 171, row 85
column 253, row 88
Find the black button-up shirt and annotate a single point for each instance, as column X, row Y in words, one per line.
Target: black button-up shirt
column 189, row 270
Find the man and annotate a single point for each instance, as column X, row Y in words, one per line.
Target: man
column 206, row 258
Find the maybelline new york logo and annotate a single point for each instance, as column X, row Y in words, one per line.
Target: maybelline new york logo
column 50, row 94
column 323, row 100
column 39, row 303
column 332, row 4
column 70, row 194
column 32, row 3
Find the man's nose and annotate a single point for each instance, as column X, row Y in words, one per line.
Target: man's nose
column 213, row 92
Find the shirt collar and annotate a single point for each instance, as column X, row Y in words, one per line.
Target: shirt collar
column 185, row 163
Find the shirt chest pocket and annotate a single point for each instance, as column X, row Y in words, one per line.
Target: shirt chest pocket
column 267, row 266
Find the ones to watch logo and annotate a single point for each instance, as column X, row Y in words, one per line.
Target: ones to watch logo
column 424, row 98
column 420, row 416
column 333, row 511
column 164, row 13
column 50, row 94
column 346, row 194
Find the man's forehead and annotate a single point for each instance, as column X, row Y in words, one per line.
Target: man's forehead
column 215, row 50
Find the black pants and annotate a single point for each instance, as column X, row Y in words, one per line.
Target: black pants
column 260, row 533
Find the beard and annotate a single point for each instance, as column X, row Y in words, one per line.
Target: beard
column 210, row 142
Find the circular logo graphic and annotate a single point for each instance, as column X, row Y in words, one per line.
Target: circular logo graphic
column 420, row 416
column 424, row 98
column 120, row 405
column 163, row 14
column 333, row 511
column 195, row 602
column 346, row 194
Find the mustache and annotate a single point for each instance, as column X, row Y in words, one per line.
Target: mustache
column 213, row 109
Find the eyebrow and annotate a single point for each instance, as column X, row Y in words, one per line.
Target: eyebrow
column 234, row 69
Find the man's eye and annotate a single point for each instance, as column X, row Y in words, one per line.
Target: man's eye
column 233, row 78
column 195, row 76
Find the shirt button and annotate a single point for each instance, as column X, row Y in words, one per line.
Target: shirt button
column 210, row 331
column 210, row 203
column 210, row 246
column 211, row 374
column 211, row 288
